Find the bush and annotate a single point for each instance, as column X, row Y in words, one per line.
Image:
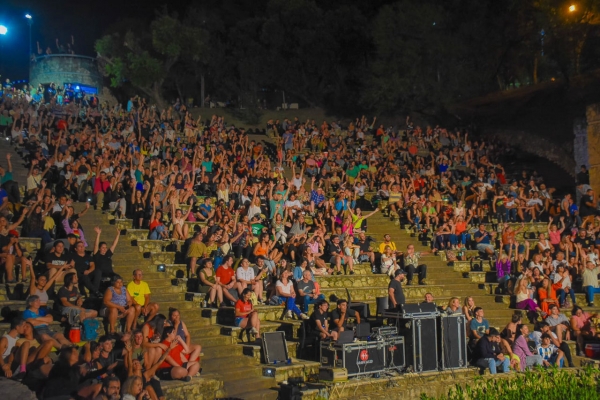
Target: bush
column 547, row 384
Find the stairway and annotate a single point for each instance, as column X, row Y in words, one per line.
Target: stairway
column 237, row 366
column 19, row 170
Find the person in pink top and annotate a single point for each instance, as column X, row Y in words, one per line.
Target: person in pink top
column 521, row 349
column 581, row 324
column 554, row 233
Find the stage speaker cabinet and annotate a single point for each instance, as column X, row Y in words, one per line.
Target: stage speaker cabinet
column 333, row 374
column 420, row 339
column 358, row 358
column 274, row 347
column 395, row 353
column 452, row 341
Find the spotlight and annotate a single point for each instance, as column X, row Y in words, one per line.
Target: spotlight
column 161, row 268
column 270, row 372
column 28, row 16
column 3, row 30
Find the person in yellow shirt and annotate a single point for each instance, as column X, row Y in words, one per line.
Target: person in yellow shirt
column 140, row 293
column 387, row 241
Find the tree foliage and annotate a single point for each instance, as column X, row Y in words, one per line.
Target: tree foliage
column 350, row 55
column 146, row 58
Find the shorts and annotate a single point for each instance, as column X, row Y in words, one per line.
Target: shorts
column 332, row 260
column 238, row 321
column 482, row 247
column 363, row 258
column 44, row 330
column 67, row 310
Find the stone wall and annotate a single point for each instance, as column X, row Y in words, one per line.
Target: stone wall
column 593, row 144
column 580, row 143
column 562, row 155
column 61, row 68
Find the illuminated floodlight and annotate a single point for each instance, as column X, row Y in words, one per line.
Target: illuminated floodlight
column 28, row 16
column 3, row 30
column 572, row 8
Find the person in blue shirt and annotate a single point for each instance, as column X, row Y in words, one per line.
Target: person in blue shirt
column 41, row 323
column 484, row 240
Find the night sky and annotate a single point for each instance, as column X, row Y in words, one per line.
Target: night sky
column 86, row 20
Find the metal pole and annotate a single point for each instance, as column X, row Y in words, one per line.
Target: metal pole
column 30, row 22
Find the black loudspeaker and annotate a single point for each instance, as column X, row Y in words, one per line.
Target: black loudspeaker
column 274, row 347
column 420, row 339
column 452, row 341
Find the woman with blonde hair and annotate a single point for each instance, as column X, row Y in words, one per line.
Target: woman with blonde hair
column 468, row 308
column 133, row 389
column 388, row 261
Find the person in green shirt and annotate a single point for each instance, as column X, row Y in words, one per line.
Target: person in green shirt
column 277, row 199
column 352, row 172
column 430, row 214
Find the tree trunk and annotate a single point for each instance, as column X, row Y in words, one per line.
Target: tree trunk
column 202, row 87
column 181, row 98
column 157, row 97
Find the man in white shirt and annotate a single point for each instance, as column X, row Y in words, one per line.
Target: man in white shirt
column 245, row 277
column 293, row 205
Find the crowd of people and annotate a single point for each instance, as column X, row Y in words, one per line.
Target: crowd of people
column 247, row 230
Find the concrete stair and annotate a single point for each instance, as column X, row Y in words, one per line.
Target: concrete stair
column 219, row 341
column 19, row 170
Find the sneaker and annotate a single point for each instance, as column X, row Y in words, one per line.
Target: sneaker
column 351, row 272
column 156, row 378
column 590, row 304
column 581, row 354
column 288, row 314
column 303, row 316
column 339, row 273
column 253, row 331
column 186, row 379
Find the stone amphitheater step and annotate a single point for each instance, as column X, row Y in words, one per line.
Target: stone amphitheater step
column 414, row 293
column 19, row 170
column 246, row 386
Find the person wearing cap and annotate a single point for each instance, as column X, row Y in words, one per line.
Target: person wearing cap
column 488, row 354
column 395, row 292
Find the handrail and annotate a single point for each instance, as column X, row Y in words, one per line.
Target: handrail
column 64, row 55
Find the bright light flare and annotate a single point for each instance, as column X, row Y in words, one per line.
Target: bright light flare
column 572, row 8
column 3, row 30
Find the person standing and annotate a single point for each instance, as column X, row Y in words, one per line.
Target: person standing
column 103, row 254
column 395, row 292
